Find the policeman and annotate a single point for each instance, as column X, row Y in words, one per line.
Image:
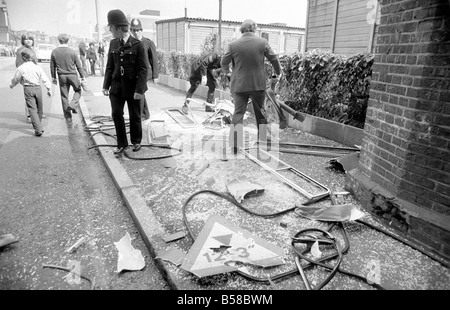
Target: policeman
column 125, row 80
column 153, row 70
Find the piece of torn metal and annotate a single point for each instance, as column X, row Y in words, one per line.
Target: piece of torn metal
column 129, row 257
column 172, row 255
column 340, row 198
column 241, row 187
column 347, row 162
column 7, row 239
column 175, row 236
column 220, row 242
column 157, row 133
column 334, row 213
column 77, row 244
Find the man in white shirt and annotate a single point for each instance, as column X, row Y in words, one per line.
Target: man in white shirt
column 30, row 76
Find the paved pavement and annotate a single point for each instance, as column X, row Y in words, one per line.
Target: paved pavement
column 167, row 192
column 53, row 192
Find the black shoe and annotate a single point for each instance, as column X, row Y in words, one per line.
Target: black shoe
column 119, row 150
column 208, row 109
column 74, row 111
column 38, row 134
column 136, row 147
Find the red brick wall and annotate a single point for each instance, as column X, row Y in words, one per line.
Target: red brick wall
column 406, row 148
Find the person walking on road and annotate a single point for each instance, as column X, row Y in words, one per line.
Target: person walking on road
column 65, row 63
column 101, row 57
column 30, row 75
column 27, row 44
column 248, row 79
column 125, row 80
column 82, row 50
column 91, row 56
column 208, row 65
column 153, row 69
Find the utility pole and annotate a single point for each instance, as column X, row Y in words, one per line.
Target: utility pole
column 99, row 31
column 219, row 46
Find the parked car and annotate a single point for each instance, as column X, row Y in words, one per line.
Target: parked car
column 44, row 51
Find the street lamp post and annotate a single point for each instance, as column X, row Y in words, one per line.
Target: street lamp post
column 219, row 46
column 98, row 25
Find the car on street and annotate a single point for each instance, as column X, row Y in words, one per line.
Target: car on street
column 44, row 51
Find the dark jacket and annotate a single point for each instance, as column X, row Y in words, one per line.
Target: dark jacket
column 246, row 55
column 205, row 63
column 65, row 61
column 90, row 54
column 126, row 68
column 82, row 49
column 150, row 47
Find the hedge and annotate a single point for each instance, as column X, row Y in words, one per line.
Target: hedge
column 319, row 83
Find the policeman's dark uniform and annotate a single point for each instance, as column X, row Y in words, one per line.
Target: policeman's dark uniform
column 125, row 74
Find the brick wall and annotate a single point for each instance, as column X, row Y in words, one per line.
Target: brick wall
column 406, row 148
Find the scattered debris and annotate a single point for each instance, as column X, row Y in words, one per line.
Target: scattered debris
column 315, row 251
column 220, row 243
column 338, row 213
column 201, row 169
column 7, row 239
column 77, row 244
column 129, row 257
column 157, row 133
column 170, row 162
column 241, row 187
column 175, row 236
column 182, row 119
column 338, row 198
column 71, row 271
column 346, row 162
column 313, row 190
column 172, row 255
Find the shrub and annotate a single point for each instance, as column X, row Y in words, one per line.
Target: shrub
column 327, row 85
column 319, row 83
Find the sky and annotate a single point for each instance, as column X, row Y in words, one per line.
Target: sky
column 78, row 17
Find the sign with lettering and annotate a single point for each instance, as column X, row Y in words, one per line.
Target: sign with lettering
column 220, row 244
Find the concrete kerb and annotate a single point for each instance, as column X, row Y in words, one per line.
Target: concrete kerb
column 144, row 219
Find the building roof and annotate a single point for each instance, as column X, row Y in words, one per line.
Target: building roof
column 188, row 19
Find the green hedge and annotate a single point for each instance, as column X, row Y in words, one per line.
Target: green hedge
column 318, row 82
column 327, row 85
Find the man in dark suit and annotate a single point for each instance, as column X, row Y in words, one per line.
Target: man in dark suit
column 153, row 69
column 125, row 80
column 248, row 79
